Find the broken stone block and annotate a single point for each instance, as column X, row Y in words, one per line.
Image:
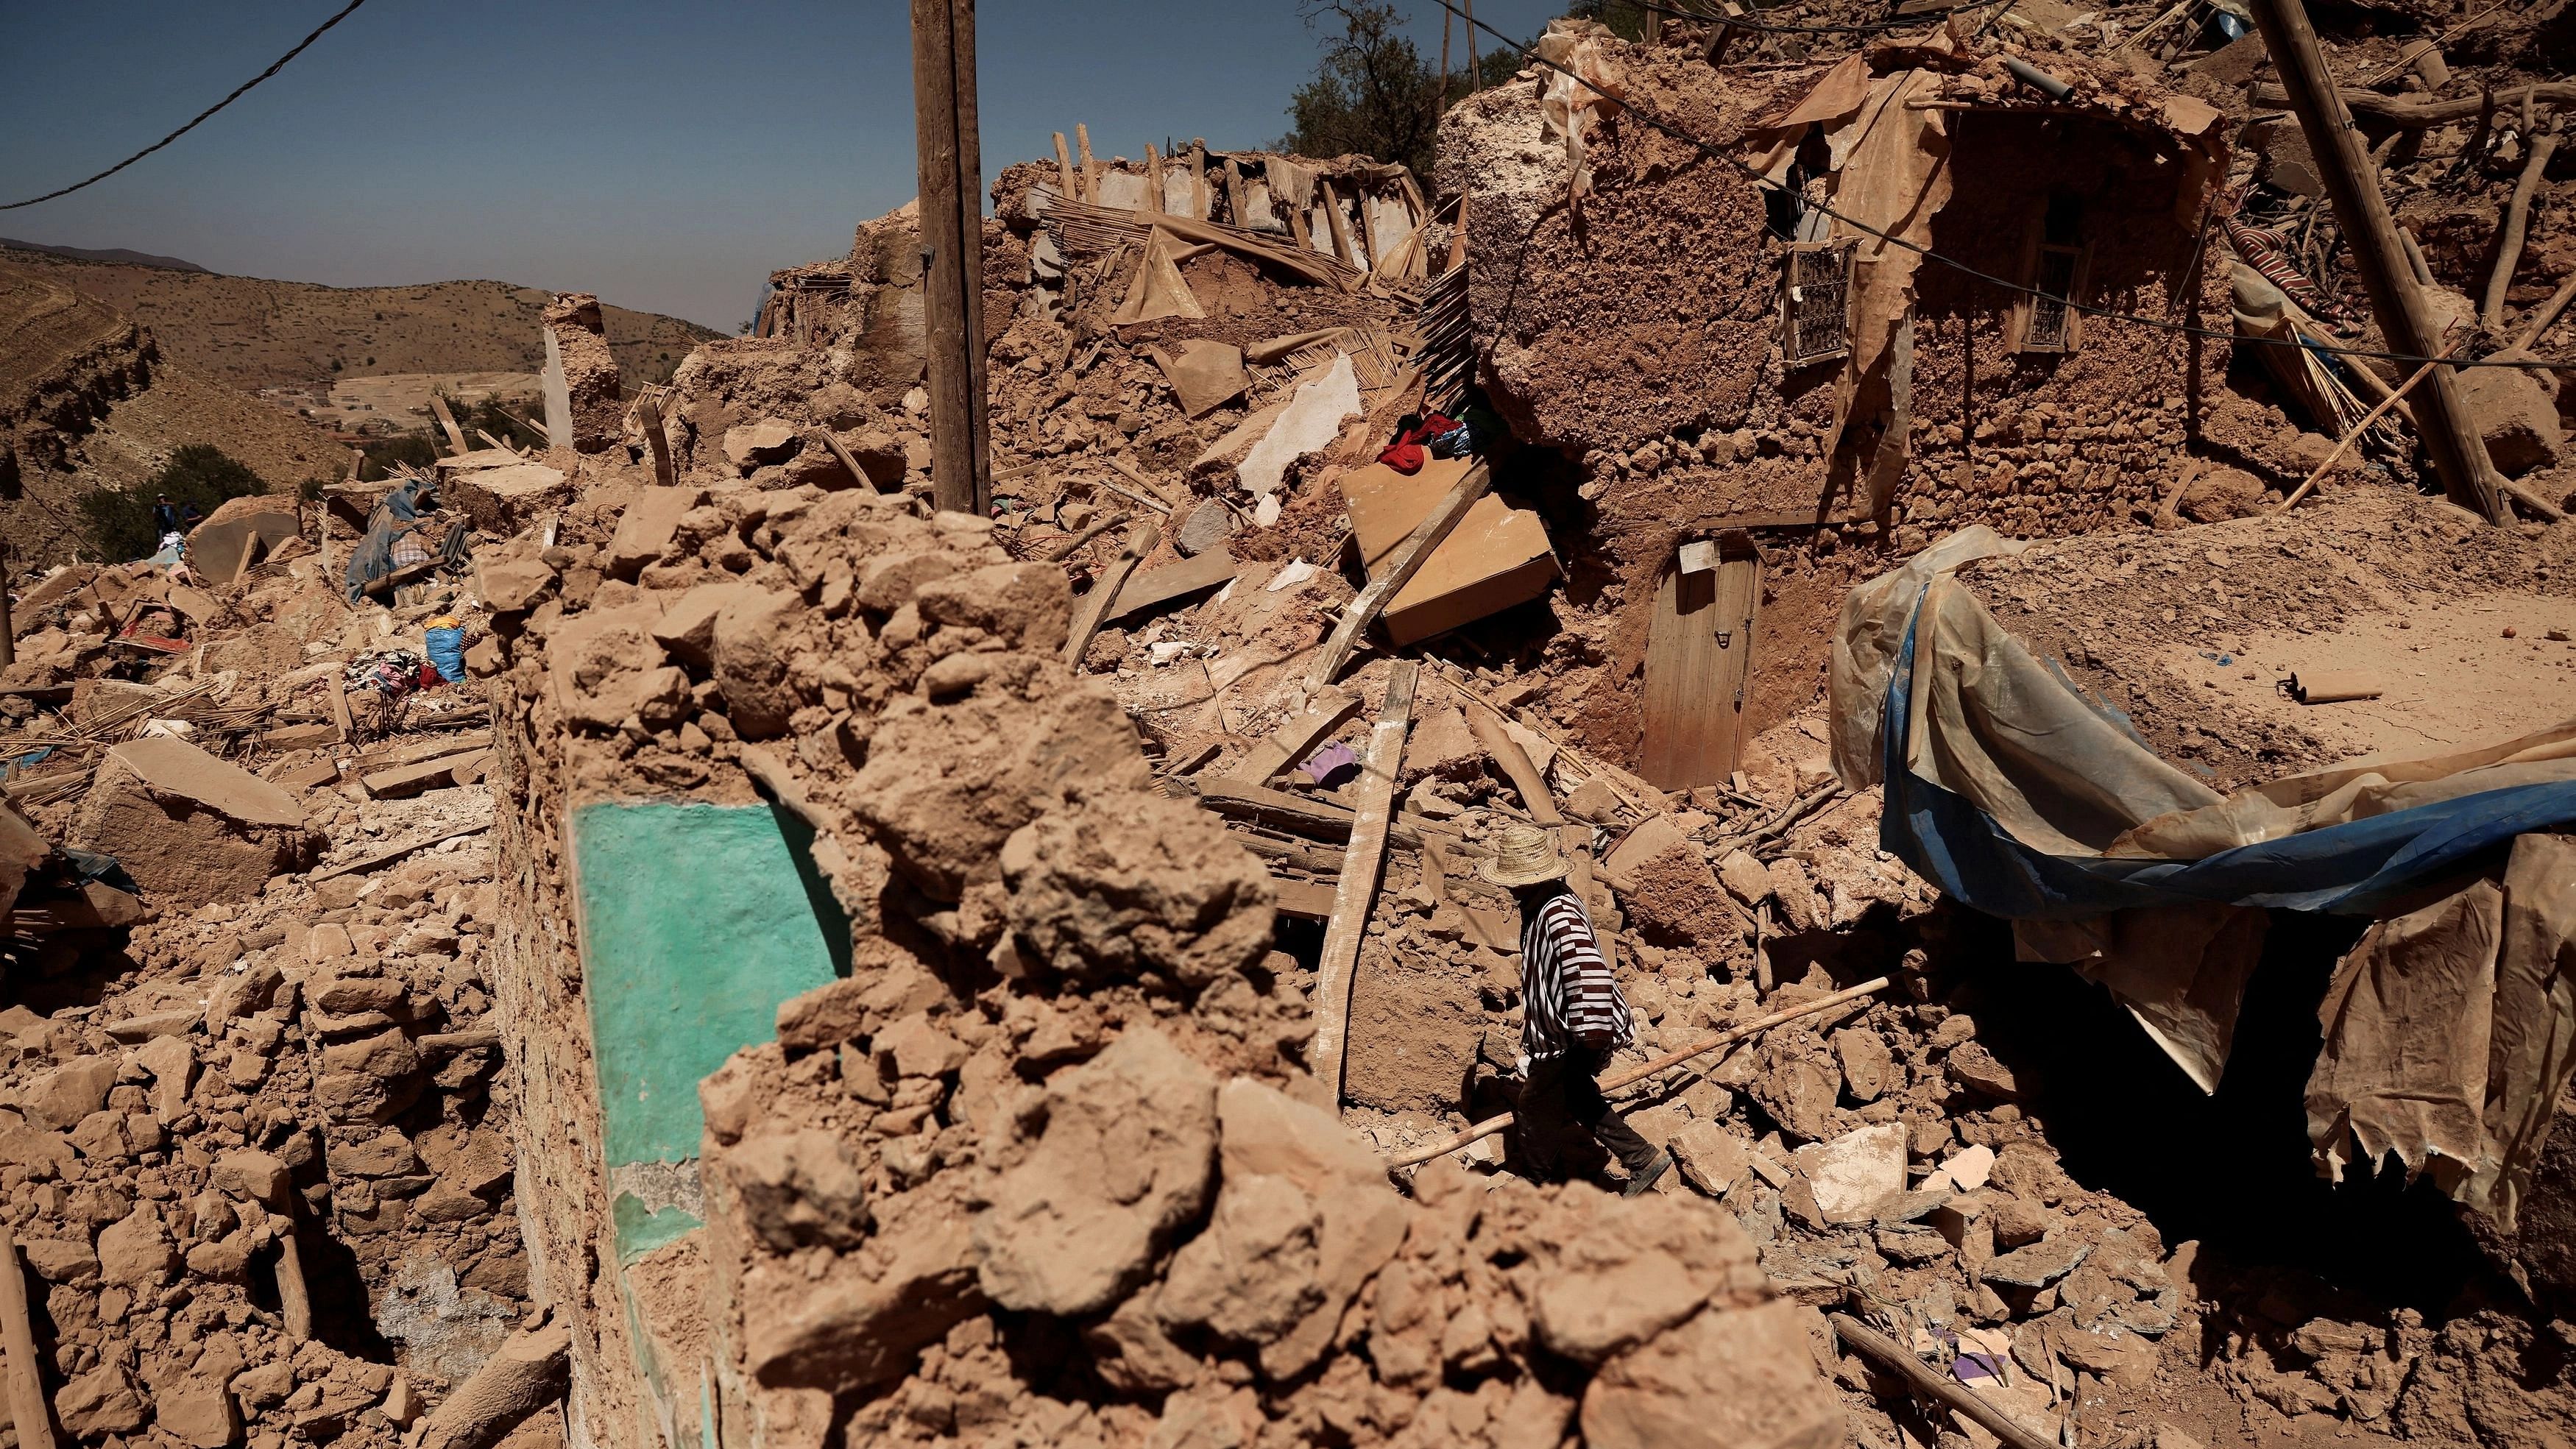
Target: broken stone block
column 63, row 1097
column 604, row 667
column 1619, row 1272
column 2516, row 417
column 1305, row 1217
column 507, row 500
column 2039, row 1264
column 1867, row 1063
column 579, row 341
column 512, row 585
column 753, row 445
column 191, row 829
column 100, row 1402
column 645, row 528
column 1710, row 1157
column 1852, row 1174
column 1132, row 883
column 1207, row 527
column 798, row 1189
column 1123, row 1158
column 137, row 1251
column 1745, row 878
column 1975, row 1068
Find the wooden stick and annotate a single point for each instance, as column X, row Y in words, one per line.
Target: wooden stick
column 2517, row 226
column 2419, row 115
column 2541, row 321
column 833, row 446
column 1094, row 606
column 660, row 441
column 1090, row 170
column 1156, row 504
column 1064, row 171
column 27, row 1406
column 1664, row 1063
column 447, row 420
column 1361, row 862
column 294, row 1295
column 394, row 852
column 1063, row 549
column 2354, row 435
column 2422, row 47
column 1141, row 481
column 1515, row 763
column 340, row 716
column 1401, row 566
column 1920, row 1377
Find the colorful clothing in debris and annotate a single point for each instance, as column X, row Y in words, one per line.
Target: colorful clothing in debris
column 392, row 673
column 1567, row 993
column 1405, row 454
column 2269, row 252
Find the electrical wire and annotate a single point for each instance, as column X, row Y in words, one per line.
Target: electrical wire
column 1760, row 182
column 237, row 94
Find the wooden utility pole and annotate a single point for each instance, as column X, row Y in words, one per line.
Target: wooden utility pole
column 952, row 247
column 2352, row 184
column 1475, row 72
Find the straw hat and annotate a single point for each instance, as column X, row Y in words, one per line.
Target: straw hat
column 1523, row 855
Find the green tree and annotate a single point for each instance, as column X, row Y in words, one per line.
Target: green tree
column 1372, row 93
column 414, row 449
column 118, row 521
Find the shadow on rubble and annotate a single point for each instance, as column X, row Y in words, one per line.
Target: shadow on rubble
column 2230, row 1170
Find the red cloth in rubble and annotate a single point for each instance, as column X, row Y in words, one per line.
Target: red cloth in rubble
column 1405, row 454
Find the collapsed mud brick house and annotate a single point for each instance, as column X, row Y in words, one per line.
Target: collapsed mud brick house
column 830, row 971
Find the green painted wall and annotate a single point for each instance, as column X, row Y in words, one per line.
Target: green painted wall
column 696, row 922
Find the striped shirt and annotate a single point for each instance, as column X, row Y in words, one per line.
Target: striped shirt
column 1566, row 988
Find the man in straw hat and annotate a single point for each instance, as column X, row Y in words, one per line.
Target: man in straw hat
column 1572, row 1016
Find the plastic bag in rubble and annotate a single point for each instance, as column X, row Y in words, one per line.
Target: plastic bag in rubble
column 447, row 648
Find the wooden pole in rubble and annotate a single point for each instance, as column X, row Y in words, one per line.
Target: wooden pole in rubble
column 2352, row 184
column 952, row 250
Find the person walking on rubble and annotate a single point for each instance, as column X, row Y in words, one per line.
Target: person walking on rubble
column 1572, row 1016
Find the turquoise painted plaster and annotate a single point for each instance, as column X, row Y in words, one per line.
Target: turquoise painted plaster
column 696, row 922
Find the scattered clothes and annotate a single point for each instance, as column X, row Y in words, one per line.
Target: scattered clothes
column 1413, row 433
column 373, row 558
column 392, row 673
column 1327, row 765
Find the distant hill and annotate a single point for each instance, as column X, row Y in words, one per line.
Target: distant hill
column 89, row 400
column 255, row 334
column 110, row 254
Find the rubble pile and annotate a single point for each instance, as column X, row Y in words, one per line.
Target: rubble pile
column 258, row 1156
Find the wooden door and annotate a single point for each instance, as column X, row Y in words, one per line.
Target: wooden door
column 1699, row 652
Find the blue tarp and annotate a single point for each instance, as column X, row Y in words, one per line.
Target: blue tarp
column 2352, row 868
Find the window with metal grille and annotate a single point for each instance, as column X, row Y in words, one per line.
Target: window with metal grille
column 2050, row 324
column 1815, row 302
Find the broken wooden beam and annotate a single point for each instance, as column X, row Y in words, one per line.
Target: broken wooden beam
column 1401, row 566
column 2517, row 225
column 1366, row 856
column 2419, row 115
column 1305, row 899
column 1515, row 763
column 2352, row 185
column 1322, row 715
column 1156, row 587
column 1920, row 1378
column 447, row 422
column 1319, row 818
column 393, row 853
column 1092, row 607
column 28, row 1409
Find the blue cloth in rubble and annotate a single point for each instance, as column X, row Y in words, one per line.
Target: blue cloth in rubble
column 394, row 514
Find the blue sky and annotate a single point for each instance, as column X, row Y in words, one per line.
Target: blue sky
column 665, row 155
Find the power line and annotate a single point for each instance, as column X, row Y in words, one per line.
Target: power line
column 1760, row 182
column 238, row 92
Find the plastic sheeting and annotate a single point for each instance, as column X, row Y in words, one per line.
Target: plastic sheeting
column 2016, row 793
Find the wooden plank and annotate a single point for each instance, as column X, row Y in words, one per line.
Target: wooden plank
column 1343, row 251
column 1358, row 886
column 27, row 1407
column 1090, row 170
column 447, row 422
column 1092, row 607
column 665, row 474
column 1516, row 766
column 1401, row 566
column 392, row 853
column 1064, row 171
column 1156, row 587
column 1322, row 715
column 412, row 779
column 340, row 717
column 1320, row 818
column 1306, row 899
column 1699, row 648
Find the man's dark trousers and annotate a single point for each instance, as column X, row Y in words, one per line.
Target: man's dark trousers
column 1559, row 1097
